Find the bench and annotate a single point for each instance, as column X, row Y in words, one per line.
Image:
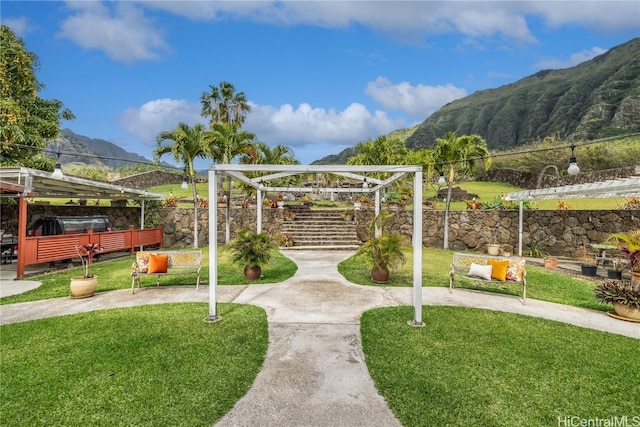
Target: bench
column 163, row 263
column 477, row 267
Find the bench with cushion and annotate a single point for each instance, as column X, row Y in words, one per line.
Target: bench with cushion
column 162, row 263
column 488, row 268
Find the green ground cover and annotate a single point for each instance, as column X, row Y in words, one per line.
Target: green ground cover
column 155, row 365
column 473, row 367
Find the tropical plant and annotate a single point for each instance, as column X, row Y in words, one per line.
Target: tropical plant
column 458, row 153
column 187, row 145
column 170, row 201
column 251, row 249
column 618, row 291
column 629, row 245
column 383, row 251
column 286, row 240
column 27, row 121
column 288, row 214
column 224, row 105
column 86, row 253
column 537, row 248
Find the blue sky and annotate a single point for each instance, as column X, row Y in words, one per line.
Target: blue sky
column 321, row 76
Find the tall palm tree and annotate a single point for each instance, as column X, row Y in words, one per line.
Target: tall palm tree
column 188, row 143
column 458, row 153
column 224, row 105
column 225, row 142
column 263, row 154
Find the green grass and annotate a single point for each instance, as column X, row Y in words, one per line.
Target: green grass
column 115, row 275
column 473, row 367
column 542, row 284
column 156, row 365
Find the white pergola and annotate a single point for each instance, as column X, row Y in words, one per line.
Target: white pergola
column 623, row 187
column 273, row 172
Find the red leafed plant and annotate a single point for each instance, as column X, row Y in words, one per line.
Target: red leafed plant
column 86, row 253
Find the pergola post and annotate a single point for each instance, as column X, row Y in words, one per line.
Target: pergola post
column 259, row 211
column 417, row 249
column 213, row 250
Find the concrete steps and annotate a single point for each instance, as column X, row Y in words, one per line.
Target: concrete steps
column 321, row 230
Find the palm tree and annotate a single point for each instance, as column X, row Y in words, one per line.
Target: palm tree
column 261, row 153
column 458, row 153
column 188, row 143
column 225, row 142
column 223, row 105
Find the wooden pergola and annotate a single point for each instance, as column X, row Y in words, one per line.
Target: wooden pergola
column 273, row 172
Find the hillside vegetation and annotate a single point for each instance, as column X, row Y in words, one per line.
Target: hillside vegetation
column 595, row 99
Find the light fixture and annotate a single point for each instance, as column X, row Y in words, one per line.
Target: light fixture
column 441, row 180
column 573, row 164
column 57, row 172
column 261, row 186
column 184, row 185
column 365, row 184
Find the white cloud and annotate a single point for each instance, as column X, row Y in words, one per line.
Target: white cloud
column 307, row 125
column 418, row 101
column 18, row 25
column 157, row 116
column 574, row 59
column 124, row 33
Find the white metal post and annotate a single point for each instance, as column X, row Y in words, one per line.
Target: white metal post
column 259, row 211
column 213, row 249
column 417, row 249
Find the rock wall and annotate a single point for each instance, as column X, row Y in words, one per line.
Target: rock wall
column 564, row 231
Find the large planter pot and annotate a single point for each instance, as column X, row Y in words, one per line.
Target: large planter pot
column 83, row 287
column 493, row 249
column 627, row 312
column 380, row 274
column 614, row 274
column 551, row 263
column 252, row 273
column 589, row 270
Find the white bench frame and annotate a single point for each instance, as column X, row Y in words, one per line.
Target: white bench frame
column 173, row 264
column 462, row 261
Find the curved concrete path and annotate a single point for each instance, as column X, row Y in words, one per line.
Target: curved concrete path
column 314, row 372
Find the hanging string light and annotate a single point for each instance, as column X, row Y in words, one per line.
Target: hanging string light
column 573, row 164
column 57, row 172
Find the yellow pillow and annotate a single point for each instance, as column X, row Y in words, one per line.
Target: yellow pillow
column 158, row 263
column 499, row 271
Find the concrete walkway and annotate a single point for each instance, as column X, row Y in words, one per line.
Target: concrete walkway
column 315, row 372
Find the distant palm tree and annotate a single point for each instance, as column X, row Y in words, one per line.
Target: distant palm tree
column 261, row 153
column 188, row 143
column 224, row 105
column 458, row 153
column 225, row 142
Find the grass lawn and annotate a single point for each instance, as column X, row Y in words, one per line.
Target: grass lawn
column 542, row 284
column 473, row 367
column 155, row 365
column 115, row 275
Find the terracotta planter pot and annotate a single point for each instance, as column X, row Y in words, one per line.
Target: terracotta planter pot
column 493, row 249
column 628, row 312
column 380, row 275
column 83, row 287
column 252, row 273
column 551, row 263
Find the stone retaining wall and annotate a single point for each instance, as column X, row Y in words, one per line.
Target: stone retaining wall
column 564, row 231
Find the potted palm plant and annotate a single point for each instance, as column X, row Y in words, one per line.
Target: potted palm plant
column 252, row 250
column 85, row 286
column 382, row 252
column 629, row 245
column 623, row 295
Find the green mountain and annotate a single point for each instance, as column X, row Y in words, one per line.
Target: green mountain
column 595, row 99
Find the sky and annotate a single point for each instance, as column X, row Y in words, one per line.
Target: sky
column 320, row 76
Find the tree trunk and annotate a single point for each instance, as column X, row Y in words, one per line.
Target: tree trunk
column 195, row 212
column 445, row 244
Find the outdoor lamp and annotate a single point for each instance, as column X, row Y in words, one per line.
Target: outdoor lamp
column 365, row 184
column 184, row 185
column 261, row 186
column 441, row 180
column 573, row 164
column 57, row 172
